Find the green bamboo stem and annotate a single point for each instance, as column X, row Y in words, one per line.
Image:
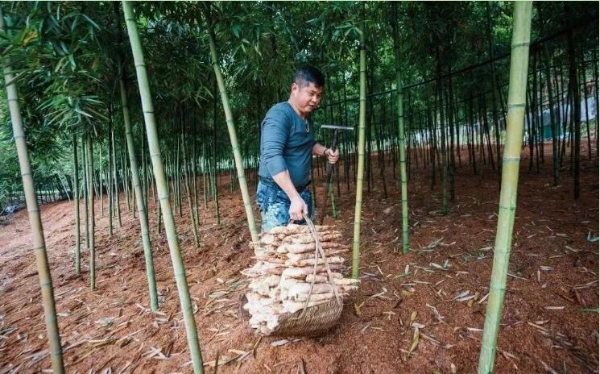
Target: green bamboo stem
column 177, row 178
column 510, row 178
column 139, row 198
column 361, row 154
column 401, row 137
column 99, row 191
column 76, row 207
column 92, row 222
column 84, row 186
column 114, row 178
column 232, row 133
column 111, row 194
column 35, row 218
column 187, row 182
column 161, row 185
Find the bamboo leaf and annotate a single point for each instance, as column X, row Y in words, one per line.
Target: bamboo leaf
column 588, row 310
column 415, row 341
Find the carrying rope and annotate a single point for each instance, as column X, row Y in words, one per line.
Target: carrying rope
column 319, row 251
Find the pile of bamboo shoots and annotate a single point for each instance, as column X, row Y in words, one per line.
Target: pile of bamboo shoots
column 291, row 274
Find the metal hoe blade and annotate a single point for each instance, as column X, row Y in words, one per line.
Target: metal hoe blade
column 336, row 127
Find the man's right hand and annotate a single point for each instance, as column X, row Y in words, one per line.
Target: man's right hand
column 298, row 208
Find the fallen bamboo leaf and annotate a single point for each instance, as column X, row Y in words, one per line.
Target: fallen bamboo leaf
column 301, row 367
column 462, row 294
column 537, row 326
column 436, row 312
column 483, row 298
column 432, row 340
column 580, row 299
column 554, row 307
column 255, row 345
column 474, row 329
column 219, row 361
column 548, row 368
column 100, row 343
column 357, row 308
column 237, row 351
column 362, row 331
column 153, row 352
column 587, row 285
column 415, row 341
column 466, row 298
column 413, row 316
column 280, row 343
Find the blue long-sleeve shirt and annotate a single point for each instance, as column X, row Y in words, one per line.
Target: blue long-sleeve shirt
column 286, row 144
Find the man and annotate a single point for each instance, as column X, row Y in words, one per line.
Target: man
column 287, row 145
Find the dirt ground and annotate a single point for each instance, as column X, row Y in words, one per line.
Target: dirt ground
column 549, row 324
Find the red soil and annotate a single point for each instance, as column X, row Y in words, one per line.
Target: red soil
column 549, row 324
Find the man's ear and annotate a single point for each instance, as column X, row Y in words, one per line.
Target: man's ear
column 295, row 87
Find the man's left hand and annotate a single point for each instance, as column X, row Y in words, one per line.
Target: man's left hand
column 332, row 156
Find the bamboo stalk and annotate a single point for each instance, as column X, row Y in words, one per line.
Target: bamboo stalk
column 35, row 218
column 232, row 132
column 510, row 177
column 137, row 185
column 361, row 153
column 161, row 186
column 90, row 197
column 76, row 207
column 401, row 136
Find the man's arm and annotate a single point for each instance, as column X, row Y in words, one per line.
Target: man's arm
column 273, row 138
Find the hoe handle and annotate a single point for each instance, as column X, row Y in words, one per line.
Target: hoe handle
column 329, row 176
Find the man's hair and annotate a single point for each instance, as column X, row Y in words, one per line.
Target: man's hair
column 307, row 74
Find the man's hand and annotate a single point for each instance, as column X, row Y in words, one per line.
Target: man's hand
column 332, row 156
column 297, row 204
column 297, row 208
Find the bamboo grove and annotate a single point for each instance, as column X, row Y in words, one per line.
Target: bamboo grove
column 157, row 102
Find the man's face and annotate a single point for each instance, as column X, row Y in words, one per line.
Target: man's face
column 307, row 98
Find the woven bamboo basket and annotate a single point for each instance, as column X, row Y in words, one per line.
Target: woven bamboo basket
column 309, row 321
